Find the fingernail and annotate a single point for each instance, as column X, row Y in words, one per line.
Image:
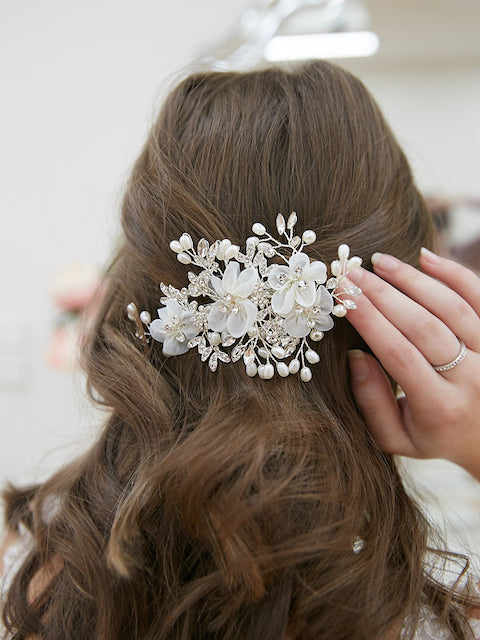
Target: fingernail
column 356, row 275
column 358, row 362
column 429, row 255
column 384, row 261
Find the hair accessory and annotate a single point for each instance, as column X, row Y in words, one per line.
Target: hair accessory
column 266, row 313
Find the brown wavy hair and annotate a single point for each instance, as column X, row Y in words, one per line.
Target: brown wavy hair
column 216, row 506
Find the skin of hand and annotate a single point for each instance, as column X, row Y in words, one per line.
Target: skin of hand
column 413, row 320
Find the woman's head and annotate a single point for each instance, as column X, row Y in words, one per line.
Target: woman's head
column 228, row 507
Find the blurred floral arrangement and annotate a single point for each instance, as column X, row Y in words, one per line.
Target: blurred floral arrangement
column 72, row 289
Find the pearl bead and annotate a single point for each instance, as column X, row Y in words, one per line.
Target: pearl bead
column 251, row 369
column 214, row 338
column 224, row 244
column 176, row 246
column 354, row 263
column 268, row 371
column 258, row 229
column 145, row 317
column 316, row 335
column 262, row 352
column 336, row 268
column 309, row 236
column 306, row 374
column 339, row 310
column 186, row 241
column 261, row 371
column 231, row 251
column 282, row 369
column 264, row 246
column 184, row 258
column 131, row 311
column 294, row 365
column 252, row 332
column 312, row 356
column 278, row 352
column 253, row 239
column 343, row 251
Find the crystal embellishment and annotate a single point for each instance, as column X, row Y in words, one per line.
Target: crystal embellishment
column 271, row 314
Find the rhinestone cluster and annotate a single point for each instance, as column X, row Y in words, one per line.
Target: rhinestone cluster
column 269, row 314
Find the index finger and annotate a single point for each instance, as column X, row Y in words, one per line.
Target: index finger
column 459, row 278
column 399, row 357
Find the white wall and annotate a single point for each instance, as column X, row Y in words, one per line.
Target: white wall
column 79, row 86
column 435, row 112
column 80, row 82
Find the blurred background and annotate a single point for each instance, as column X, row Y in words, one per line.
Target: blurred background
column 80, row 85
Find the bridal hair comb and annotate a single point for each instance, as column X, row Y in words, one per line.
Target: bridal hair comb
column 267, row 314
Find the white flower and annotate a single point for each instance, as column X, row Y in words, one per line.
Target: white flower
column 301, row 320
column 233, row 312
column 174, row 328
column 295, row 285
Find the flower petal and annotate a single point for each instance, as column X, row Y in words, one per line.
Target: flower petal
column 157, row 329
column 189, row 329
column 174, row 309
column 172, row 347
column 163, row 314
column 246, row 282
column 323, row 323
column 316, row 271
column 306, row 295
column 217, row 320
column 296, row 326
column 283, row 300
column 217, row 286
column 324, row 300
column 299, row 260
column 273, row 276
column 239, row 323
column 230, row 277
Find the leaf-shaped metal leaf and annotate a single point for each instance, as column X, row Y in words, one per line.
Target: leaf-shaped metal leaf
column 213, row 362
column 212, row 252
column 202, row 247
column 195, row 341
column 237, row 352
column 204, row 352
column 292, row 220
column 224, row 357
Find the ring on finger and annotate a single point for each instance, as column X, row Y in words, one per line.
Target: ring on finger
column 450, row 365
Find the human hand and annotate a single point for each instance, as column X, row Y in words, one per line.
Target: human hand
column 413, row 321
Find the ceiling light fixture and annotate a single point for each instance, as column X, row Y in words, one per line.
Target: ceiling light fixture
column 349, row 44
column 280, row 30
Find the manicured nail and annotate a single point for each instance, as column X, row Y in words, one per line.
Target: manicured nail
column 429, row 255
column 384, row 261
column 355, row 275
column 358, row 362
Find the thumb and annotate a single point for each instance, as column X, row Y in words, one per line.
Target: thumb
column 376, row 400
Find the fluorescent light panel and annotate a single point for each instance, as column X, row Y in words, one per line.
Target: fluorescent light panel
column 346, row 44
